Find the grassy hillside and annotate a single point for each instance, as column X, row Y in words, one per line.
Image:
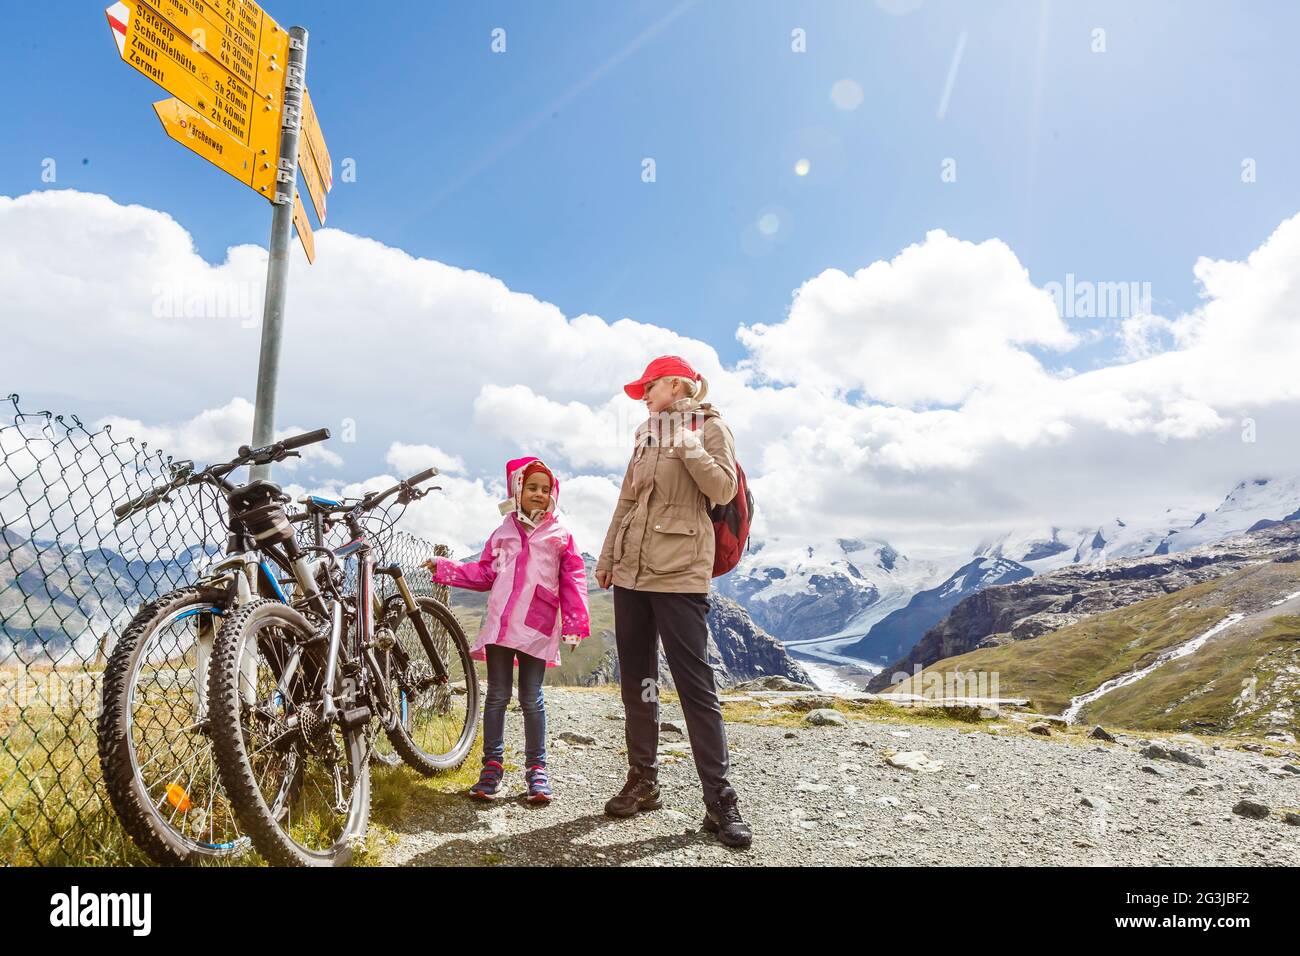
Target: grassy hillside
column 1233, row 683
column 1200, row 691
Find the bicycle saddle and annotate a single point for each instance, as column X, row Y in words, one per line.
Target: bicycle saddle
column 260, row 490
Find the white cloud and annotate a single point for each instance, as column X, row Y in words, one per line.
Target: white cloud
column 584, row 436
column 460, row 515
column 409, row 459
column 216, row 434
column 940, row 320
column 906, row 401
column 586, row 502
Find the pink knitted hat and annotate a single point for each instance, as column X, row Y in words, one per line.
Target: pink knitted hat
column 517, row 470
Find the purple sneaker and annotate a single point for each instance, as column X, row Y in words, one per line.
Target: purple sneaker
column 539, row 787
column 489, row 781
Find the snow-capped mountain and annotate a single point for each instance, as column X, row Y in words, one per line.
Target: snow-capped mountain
column 847, row 600
column 1254, row 504
column 1251, row 505
column 894, row 635
column 816, row 595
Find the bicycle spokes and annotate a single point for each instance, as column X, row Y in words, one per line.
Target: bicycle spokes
column 169, row 742
column 299, row 759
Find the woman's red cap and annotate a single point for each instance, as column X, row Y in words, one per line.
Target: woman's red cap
column 658, row 368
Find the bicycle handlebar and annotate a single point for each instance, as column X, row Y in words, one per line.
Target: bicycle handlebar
column 306, row 438
column 148, row 499
column 408, row 485
column 276, row 451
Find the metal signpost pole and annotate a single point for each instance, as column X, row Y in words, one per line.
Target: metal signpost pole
column 277, row 268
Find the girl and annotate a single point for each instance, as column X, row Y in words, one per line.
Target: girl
column 538, row 586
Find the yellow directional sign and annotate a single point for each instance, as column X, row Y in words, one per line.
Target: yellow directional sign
column 303, row 228
column 311, row 176
column 252, row 49
column 193, row 131
column 316, row 141
column 250, row 22
column 157, row 48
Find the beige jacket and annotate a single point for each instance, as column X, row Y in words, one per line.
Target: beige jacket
column 661, row 537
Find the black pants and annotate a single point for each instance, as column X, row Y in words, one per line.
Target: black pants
column 679, row 621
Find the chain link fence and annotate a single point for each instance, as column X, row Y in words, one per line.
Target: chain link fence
column 70, row 581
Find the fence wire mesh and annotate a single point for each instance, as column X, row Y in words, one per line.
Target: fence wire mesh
column 70, row 581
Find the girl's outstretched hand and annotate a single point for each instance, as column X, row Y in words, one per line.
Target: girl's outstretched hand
column 431, row 565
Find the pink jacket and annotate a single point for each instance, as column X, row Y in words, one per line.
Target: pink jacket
column 537, row 583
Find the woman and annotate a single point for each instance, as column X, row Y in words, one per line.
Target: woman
column 658, row 555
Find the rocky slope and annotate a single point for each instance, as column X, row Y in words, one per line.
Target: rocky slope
column 1034, row 606
column 58, row 599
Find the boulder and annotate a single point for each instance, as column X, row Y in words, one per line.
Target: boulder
column 1251, row 808
column 918, row 761
column 1157, row 752
column 825, row 717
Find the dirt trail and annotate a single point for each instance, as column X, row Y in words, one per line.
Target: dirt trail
column 825, row 795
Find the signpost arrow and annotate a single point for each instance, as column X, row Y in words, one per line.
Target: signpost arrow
column 316, row 142
column 251, row 47
column 303, row 227
column 309, row 167
column 233, row 104
column 156, row 48
column 193, row 131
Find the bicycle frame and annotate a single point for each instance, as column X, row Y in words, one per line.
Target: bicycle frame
column 364, row 631
column 246, row 573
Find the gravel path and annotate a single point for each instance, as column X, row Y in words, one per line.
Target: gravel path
column 819, row 795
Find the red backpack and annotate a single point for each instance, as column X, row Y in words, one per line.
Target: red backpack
column 731, row 523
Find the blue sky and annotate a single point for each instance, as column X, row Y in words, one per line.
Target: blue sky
column 1123, row 165
column 905, row 401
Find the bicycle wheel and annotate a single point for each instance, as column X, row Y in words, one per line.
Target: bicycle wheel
column 299, row 785
column 154, row 745
column 437, row 722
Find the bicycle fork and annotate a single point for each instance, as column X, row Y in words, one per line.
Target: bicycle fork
column 239, row 571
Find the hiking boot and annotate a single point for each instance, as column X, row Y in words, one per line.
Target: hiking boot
column 640, row 792
column 722, row 818
column 539, row 787
column 489, row 781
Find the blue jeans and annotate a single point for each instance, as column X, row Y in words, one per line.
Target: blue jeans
column 501, row 675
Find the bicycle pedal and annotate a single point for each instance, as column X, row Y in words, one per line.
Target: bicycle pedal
column 385, row 639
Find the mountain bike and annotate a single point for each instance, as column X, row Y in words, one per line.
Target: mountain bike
column 297, row 705
column 153, row 728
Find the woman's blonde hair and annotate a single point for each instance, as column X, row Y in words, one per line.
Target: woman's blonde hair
column 694, row 389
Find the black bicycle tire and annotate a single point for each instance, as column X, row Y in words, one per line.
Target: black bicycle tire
column 245, row 796
column 417, row 759
column 160, row 843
